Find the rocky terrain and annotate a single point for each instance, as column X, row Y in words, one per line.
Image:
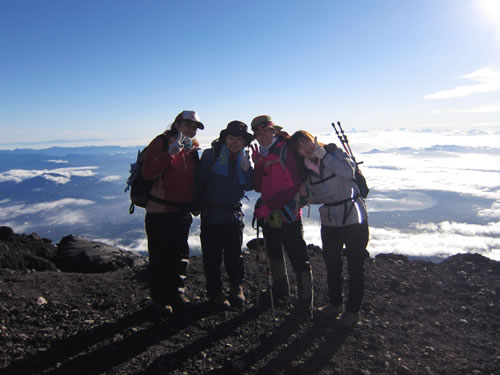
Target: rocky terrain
column 417, row 318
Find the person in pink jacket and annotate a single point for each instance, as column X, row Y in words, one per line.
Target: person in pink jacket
column 170, row 162
column 276, row 177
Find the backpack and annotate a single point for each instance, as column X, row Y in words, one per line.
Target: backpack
column 361, row 182
column 359, row 179
column 139, row 187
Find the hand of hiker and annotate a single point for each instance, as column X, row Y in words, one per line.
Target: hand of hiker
column 318, row 152
column 245, row 160
column 262, row 212
column 187, row 142
column 176, row 146
column 256, row 155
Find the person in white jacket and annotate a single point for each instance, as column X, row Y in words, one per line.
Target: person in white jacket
column 328, row 179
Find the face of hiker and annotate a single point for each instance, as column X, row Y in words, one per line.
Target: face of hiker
column 234, row 144
column 188, row 128
column 264, row 136
column 306, row 149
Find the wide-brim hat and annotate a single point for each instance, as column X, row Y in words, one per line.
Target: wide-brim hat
column 237, row 129
column 261, row 122
column 190, row 116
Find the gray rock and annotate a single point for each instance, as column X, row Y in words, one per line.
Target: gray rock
column 76, row 254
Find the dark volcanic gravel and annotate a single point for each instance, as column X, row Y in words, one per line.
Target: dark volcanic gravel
column 417, row 318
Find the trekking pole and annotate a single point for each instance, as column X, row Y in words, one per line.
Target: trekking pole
column 346, row 141
column 341, row 139
column 257, row 257
column 270, row 280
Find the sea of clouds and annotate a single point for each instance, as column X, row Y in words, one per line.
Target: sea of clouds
column 434, row 193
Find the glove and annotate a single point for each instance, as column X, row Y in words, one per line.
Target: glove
column 256, row 155
column 176, row 146
column 262, row 212
column 318, row 152
column 245, row 161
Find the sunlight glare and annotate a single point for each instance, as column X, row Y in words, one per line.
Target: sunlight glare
column 491, row 10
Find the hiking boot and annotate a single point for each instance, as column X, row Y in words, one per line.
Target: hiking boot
column 220, row 301
column 330, row 310
column 348, row 318
column 236, row 292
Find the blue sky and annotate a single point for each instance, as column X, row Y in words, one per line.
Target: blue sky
column 117, row 72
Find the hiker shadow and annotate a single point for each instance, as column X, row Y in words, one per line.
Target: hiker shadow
column 123, row 340
column 175, row 359
column 319, row 343
column 290, row 341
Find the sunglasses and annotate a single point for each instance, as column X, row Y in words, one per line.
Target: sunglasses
column 261, row 125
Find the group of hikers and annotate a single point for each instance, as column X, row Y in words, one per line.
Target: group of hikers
column 289, row 172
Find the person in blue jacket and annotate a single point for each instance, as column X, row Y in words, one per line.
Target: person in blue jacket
column 223, row 176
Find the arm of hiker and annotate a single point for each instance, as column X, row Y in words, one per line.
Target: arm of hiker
column 201, row 177
column 156, row 159
column 247, row 169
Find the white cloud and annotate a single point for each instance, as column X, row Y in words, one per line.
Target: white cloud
column 409, row 201
column 110, row 178
column 435, row 240
column 485, row 108
column 43, row 207
column 58, row 175
column 58, row 161
column 487, row 80
column 67, row 217
column 493, row 212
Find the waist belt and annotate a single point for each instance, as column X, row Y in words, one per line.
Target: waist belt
column 343, row 202
column 235, row 207
column 186, row 206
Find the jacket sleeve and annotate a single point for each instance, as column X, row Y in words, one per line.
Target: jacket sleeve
column 249, row 179
column 286, row 195
column 339, row 163
column 258, row 171
column 156, row 159
column 202, row 174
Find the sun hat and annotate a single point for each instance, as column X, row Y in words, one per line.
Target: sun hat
column 190, row 116
column 261, row 122
column 237, row 129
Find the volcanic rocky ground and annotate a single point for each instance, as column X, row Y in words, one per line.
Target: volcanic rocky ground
column 417, row 318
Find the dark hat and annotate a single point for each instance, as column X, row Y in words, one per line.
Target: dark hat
column 237, row 129
column 261, row 122
column 190, row 116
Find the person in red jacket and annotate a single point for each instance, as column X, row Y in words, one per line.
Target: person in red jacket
column 170, row 162
column 276, row 177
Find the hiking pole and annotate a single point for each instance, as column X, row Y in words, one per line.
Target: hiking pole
column 261, row 259
column 270, row 280
column 341, row 139
column 346, row 141
column 257, row 257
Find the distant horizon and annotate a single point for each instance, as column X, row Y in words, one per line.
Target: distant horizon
column 433, row 193
column 207, row 139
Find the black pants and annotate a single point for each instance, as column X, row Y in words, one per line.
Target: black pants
column 355, row 239
column 168, row 254
column 218, row 240
column 289, row 237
